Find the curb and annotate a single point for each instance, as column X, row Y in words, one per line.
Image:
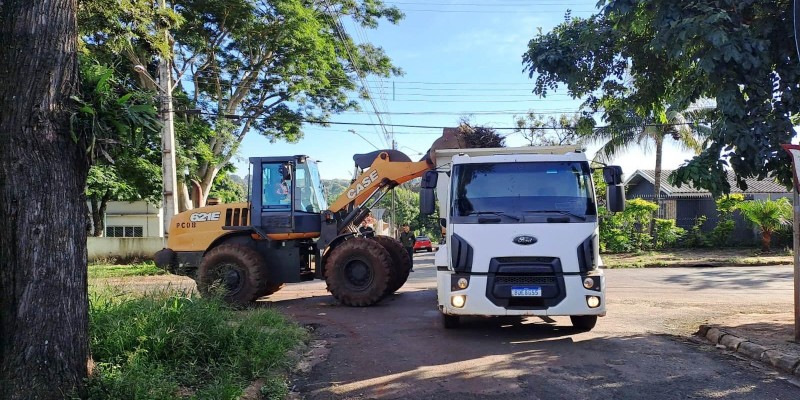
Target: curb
column 754, row 351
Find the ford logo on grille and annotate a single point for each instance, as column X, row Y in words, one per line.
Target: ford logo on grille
column 525, row 240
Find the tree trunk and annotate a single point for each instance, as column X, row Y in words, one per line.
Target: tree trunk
column 44, row 305
column 97, row 218
column 184, row 203
column 657, row 172
column 100, row 224
column 766, row 240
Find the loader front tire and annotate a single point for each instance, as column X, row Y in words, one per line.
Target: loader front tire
column 234, row 272
column 358, row 272
column 270, row 288
column 401, row 263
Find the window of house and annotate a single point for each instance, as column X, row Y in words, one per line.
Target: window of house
column 124, row 231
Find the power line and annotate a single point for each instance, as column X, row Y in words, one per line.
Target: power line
column 337, row 24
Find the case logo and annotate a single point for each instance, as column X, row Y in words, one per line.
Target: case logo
column 524, row 240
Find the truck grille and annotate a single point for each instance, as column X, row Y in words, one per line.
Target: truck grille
column 525, row 280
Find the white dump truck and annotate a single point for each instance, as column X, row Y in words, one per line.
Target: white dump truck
column 521, row 233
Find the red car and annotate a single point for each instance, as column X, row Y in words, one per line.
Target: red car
column 423, row 243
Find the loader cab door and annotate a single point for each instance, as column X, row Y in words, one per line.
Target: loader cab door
column 287, row 195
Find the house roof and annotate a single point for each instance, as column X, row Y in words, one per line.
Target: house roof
column 753, row 185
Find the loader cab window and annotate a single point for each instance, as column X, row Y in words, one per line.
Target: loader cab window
column 310, row 196
column 276, row 191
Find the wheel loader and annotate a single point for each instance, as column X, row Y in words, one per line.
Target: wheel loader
column 286, row 233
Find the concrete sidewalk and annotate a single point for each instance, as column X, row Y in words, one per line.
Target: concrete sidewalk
column 768, row 338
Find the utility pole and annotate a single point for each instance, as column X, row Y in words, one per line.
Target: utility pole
column 167, row 133
column 394, row 222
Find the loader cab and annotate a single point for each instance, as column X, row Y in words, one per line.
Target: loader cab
column 287, row 194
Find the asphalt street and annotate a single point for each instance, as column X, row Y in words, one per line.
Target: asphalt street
column 642, row 349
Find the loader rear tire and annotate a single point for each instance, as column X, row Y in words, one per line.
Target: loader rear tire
column 358, row 272
column 234, row 272
column 401, row 263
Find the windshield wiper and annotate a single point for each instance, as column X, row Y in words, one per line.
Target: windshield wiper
column 562, row 212
column 498, row 213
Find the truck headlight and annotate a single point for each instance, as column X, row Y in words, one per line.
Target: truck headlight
column 463, row 283
column 458, row 301
column 592, row 301
column 588, row 283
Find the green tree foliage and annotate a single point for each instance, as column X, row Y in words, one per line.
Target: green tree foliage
column 767, row 215
column 125, row 129
column 740, row 53
column 276, row 65
column 539, row 130
column 630, row 82
column 667, row 233
column 270, row 66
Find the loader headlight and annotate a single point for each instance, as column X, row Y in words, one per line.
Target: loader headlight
column 463, row 283
column 592, row 301
column 458, row 301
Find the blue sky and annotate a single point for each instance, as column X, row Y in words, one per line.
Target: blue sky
column 460, row 58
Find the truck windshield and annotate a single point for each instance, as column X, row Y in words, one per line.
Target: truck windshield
column 534, row 191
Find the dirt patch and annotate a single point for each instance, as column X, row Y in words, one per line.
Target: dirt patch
column 697, row 258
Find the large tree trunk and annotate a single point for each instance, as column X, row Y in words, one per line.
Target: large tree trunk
column 43, row 287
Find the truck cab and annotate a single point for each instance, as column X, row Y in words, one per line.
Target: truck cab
column 521, row 233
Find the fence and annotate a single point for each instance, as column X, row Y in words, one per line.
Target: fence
column 113, row 247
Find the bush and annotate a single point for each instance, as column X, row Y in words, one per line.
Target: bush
column 170, row 346
column 667, row 233
column 695, row 236
column 629, row 231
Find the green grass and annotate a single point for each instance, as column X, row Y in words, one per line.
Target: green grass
column 146, row 268
column 175, row 346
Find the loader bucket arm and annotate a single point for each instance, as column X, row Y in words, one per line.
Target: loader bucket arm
column 391, row 168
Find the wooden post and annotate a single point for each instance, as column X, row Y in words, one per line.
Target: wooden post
column 794, row 153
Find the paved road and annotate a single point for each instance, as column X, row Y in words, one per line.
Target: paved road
column 642, row 349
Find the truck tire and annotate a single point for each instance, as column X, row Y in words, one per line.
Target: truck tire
column 358, row 272
column 583, row 323
column 401, row 263
column 450, row 321
column 233, row 271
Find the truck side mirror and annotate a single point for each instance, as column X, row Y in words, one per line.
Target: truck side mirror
column 615, row 198
column 612, row 174
column 427, row 201
column 429, row 180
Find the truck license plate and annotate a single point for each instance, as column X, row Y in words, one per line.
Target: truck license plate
column 528, row 291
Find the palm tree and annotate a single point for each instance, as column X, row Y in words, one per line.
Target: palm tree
column 768, row 215
column 631, row 130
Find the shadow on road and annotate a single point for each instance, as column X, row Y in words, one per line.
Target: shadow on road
column 399, row 349
column 729, row 279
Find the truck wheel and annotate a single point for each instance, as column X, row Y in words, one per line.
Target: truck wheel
column 450, row 321
column 234, row 271
column 401, row 263
column 583, row 322
column 358, row 272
